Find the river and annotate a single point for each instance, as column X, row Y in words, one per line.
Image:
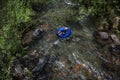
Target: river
column 79, row 58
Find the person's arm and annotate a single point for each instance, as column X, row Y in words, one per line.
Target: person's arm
column 59, row 32
column 63, row 31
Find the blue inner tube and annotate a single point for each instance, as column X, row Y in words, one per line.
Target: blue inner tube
column 67, row 33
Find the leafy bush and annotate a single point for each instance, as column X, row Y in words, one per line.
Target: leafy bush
column 10, row 41
column 99, row 7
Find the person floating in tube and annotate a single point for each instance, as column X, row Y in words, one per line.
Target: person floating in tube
column 64, row 33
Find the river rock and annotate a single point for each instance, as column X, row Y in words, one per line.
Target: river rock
column 102, row 38
column 38, row 33
column 30, row 36
column 56, row 43
column 35, row 53
column 102, row 25
column 115, row 49
column 104, row 35
column 41, row 65
column 101, row 35
column 27, row 38
column 116, row 21
column 41, row 77
column 43, row 62
column 18, row 71
column 76, row 39
column 115, row 39
column 43, row 70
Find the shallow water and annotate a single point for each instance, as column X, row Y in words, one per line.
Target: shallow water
column 79, row 57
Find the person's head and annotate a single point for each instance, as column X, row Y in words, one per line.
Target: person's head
column 66, row 28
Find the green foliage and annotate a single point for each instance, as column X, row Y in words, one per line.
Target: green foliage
column 106, row 9
column 10, row 47
column 118, row 32
column 97, row 7
column 16, row 11
column 42, row 1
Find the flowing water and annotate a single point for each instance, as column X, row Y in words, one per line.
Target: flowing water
column 79, row 57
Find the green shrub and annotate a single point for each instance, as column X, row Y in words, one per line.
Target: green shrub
column 16, row 11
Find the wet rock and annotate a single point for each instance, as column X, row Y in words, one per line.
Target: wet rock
column 43, row 62
column 115, row 49
column 103, row 35
column 31, row 59
column 26, row 78
column 76, row 39
column 116, row 22
column 117, row 61
column 18, row 71
column 52, row 59
column 41, row 77
column 22, row 66
column 102, row 38
column 69, row 3
column 40, row 70
column 103, row 25
column 41, row 65
column 112, row 48
column 35, row 53
column 115, row 39
column 30, row 36
column 38, row 33
column 43, row 69
column 56, row 43
column 27, row 38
